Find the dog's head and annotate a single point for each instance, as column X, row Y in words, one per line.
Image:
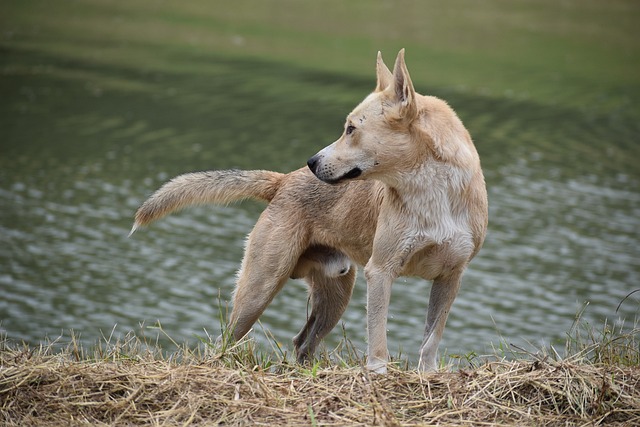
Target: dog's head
column 377, row 137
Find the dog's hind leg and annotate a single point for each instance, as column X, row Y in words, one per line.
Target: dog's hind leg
column 329, row 299
column 270, row 257
column 443, row 292
column 251, row 298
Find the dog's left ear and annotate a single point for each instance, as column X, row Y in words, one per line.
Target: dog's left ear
column 404, row 93
column 384, row 75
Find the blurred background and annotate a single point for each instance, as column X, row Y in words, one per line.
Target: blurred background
column 103, row 101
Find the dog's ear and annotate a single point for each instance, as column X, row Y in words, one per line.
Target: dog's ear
column 384, row 75
column 404, row 93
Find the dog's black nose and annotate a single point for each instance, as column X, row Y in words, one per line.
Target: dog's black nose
column 313, row 163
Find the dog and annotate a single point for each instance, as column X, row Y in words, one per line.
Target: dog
column 401, row 192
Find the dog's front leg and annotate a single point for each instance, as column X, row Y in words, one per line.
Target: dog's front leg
column 443, row 293
column 379, row 282
column 391, row 251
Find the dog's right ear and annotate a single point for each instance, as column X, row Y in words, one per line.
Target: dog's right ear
column 403, row 91
column 384, row 75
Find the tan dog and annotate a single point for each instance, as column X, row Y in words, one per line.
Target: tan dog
column 401, row 191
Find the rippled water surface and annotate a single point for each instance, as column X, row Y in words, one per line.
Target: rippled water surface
column 83, row 143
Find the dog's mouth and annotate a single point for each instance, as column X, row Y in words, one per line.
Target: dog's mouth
column 353, row 173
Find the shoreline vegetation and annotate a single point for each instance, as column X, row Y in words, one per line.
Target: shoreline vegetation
column 132, row 381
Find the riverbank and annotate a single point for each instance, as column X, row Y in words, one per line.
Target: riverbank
column 132, row 382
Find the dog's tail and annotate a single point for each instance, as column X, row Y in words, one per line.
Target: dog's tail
column 219, row 187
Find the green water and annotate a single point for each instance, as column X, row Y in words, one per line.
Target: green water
column 101, row 102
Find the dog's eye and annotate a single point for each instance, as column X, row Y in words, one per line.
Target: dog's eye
column 350, row 129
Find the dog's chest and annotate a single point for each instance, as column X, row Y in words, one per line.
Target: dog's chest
column 430, row 201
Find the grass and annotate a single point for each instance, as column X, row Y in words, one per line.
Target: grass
column 131, row 381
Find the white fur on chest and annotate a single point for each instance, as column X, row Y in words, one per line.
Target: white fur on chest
column 433, row 201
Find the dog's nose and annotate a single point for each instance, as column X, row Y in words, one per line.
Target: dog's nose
column 313, row 163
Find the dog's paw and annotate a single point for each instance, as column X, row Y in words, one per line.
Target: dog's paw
column 377, row 367
column 427, row 367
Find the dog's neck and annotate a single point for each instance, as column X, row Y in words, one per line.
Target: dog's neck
column 426, row 180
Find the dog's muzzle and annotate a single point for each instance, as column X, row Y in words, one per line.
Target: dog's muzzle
column 321, row 173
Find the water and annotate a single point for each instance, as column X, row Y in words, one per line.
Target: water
column 84, row 143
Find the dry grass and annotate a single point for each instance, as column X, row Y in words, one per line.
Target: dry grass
column 131, row 382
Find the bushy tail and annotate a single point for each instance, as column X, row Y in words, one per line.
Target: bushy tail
column 219, row 187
